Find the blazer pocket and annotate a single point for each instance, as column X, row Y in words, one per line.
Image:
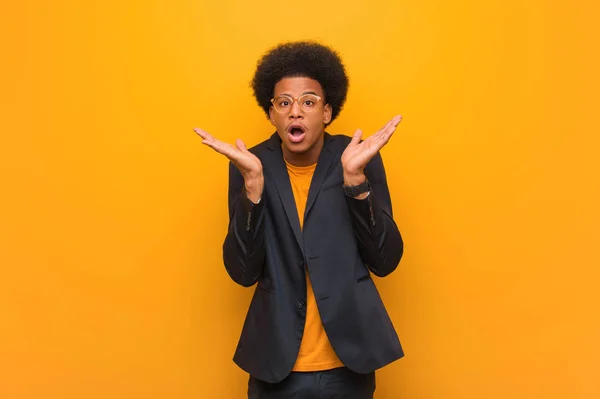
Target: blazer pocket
column 362, row 274
column 264, row 289
column 337, row 182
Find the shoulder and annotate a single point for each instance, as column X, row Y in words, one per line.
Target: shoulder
column 259, row 147
column 338, row 142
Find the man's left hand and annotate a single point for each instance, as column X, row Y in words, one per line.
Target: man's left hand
column 357, row 154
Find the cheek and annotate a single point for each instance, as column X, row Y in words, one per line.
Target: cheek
column 274, row 118
column 277, row 122
column 317, row 124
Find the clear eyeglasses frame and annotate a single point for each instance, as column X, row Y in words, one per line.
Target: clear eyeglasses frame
column 307, row 102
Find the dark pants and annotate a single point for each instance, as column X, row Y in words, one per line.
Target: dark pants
column 329, row 384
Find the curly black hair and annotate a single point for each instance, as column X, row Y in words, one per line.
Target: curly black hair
column 301, row 59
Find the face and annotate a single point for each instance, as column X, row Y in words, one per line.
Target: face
column 301, row 130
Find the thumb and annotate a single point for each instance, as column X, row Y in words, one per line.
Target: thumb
column 356, row 137
column 240, row 144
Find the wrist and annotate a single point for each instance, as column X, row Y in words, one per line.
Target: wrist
column 354, row 178
column 254, row 188
column 356, row 185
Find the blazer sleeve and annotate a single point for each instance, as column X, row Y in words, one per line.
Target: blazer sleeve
column 379, row 240
column 244, row 246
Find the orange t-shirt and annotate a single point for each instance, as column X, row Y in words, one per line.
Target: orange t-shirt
column 315, row 351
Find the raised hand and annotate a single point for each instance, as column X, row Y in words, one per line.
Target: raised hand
column 357, row 154
column 247, row 163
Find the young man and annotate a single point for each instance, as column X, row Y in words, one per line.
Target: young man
column 310, row 220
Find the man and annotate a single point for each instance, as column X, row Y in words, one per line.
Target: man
column 310, row 219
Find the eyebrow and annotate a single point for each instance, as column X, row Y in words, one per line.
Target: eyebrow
column 306, row 92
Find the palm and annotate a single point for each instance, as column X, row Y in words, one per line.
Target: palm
column 244, row 160
column 356, row 156
column 358, row 153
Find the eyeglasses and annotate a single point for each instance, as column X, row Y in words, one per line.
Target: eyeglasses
column 307, row 103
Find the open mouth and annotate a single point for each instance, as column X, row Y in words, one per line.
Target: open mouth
column 296, row 134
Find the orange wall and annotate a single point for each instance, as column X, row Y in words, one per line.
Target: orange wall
column 112, row 214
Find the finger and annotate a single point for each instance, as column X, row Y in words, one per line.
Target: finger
column 356, row 137
column 392, row 128
column 391, row 124
column 379, row 139
column 201, row 133
column 383, row 137
column 385, row 127
column 240, row 144
column 217, row 145
column 389, row 129
column 207, row 138
column 396, row 120
column 222, row 148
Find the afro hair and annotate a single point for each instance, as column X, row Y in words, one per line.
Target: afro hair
column 301, row 59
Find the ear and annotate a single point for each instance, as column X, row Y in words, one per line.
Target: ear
column 327, row 111
column 271, row 116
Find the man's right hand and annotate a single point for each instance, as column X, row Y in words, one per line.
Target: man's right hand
column 247, row 163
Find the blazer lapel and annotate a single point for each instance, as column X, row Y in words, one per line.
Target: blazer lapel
column 323, row 164
column 276, row 167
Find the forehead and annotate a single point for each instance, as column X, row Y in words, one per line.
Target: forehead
column 297, row 86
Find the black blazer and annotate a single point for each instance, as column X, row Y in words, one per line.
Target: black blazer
column 341, row 241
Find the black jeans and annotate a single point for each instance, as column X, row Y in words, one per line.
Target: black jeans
column 339, row 383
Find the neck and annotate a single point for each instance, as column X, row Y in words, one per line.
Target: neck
column 306, row 158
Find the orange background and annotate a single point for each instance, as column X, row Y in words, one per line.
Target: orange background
column 112, row 214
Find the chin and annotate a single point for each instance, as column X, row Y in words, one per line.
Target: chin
column 296, row 151
column 298, row 148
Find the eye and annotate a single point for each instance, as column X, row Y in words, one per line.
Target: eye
column 284, row 103
column 309, row 103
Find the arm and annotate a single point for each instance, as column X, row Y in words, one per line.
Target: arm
column 244, row 246
column 379, row 241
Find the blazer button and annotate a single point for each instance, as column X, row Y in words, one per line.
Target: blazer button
column 301, row 305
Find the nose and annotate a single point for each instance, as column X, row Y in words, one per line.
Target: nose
column 295, row 111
